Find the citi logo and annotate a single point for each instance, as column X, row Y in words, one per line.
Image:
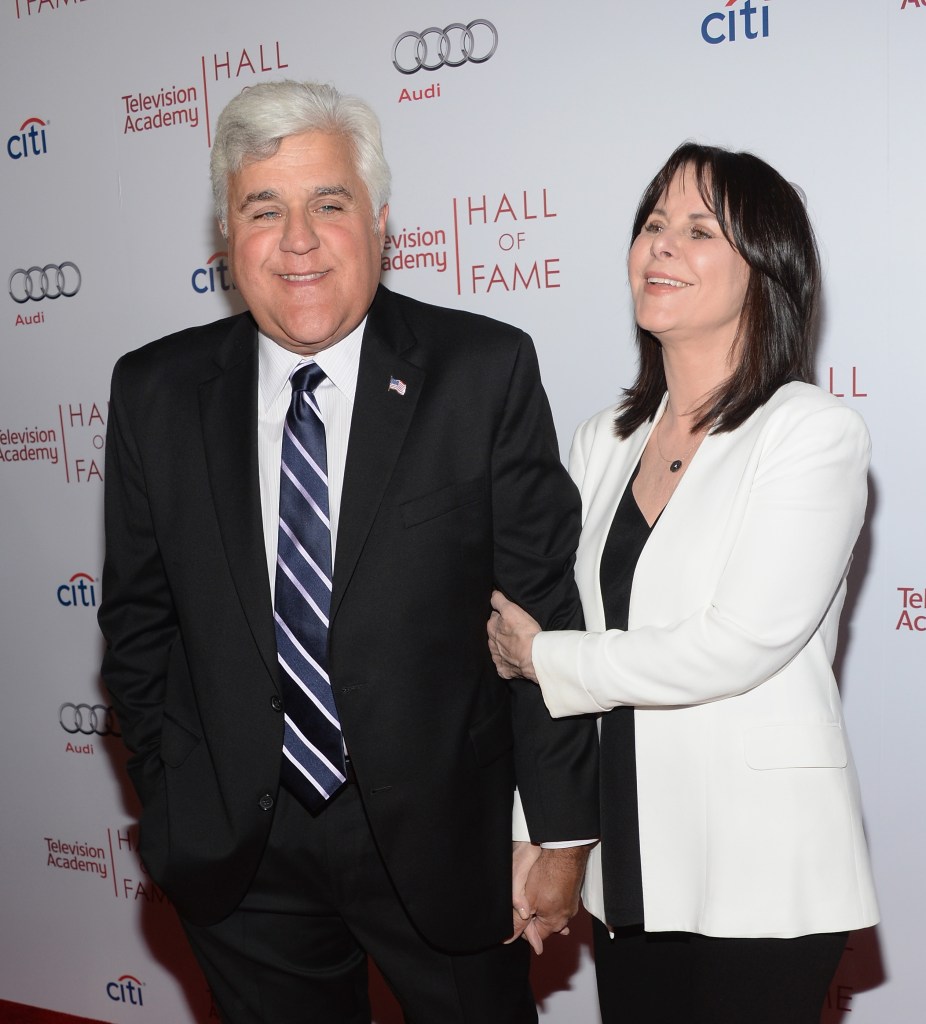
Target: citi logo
column 126, row 989
column 78, row 592
column 750, row 21
column 29, row 140
column 214, row 276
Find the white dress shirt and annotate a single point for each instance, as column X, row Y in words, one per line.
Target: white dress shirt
column 335, row 395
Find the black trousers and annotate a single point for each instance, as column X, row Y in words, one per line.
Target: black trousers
column 680, row 978
column 295, row 951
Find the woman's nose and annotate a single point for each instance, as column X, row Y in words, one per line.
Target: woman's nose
column 665, row 243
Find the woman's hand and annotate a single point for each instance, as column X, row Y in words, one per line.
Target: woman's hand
column 511, row 633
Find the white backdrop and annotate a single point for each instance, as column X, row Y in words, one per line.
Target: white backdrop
column 516, row 178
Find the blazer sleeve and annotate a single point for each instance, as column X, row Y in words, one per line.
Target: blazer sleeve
column 536, row 517
column 786, row 564
column 136, row 613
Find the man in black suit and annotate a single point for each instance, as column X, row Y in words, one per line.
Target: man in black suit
column 443, row 481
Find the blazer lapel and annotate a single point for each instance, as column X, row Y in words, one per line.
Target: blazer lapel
column 379, row 423
column 615, row 473
column 228, row 410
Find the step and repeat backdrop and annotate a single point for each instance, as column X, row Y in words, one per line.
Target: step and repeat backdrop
column 520, row 135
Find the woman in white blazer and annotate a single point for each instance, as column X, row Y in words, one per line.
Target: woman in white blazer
column 721, row 504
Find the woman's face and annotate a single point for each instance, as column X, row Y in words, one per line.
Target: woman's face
column 687, row 281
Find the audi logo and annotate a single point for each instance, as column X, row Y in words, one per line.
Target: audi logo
column 445, row 47
column 48, row 282
column 88, row 720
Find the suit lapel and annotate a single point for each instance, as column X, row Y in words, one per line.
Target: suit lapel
column 379, row 424
column 228, row 410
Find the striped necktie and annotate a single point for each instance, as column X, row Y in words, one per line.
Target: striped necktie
column 313, row 751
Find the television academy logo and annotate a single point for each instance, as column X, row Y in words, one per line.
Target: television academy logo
column 449, row 47
column 30, row 140
column 912, row 610
column 519, row 224
column 68, row 855
column 214, row 276
column 26, row 8
column 162, row 109
column 415, row 250
column 126, row 989
column 112, row 857
column 30, row 444
column 729, row 26
column 190, row 105
column 77, row 442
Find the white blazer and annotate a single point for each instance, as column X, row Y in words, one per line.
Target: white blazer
column 750, row 822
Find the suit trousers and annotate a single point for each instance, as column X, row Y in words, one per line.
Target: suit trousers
column 295, row 950
column 669, row 977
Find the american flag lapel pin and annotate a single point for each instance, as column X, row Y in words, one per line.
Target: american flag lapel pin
column 396, row 385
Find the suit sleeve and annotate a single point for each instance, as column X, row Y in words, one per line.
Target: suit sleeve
column 786, row 565
column 136, row 613
column 536, row 519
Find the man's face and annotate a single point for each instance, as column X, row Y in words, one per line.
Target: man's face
column 303, row 244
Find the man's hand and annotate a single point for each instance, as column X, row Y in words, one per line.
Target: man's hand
column 550, row 895
column 553, row 888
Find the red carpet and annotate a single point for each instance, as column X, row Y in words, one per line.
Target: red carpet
column 16, row 1013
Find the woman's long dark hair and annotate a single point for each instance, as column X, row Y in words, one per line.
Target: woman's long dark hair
column 764, row 218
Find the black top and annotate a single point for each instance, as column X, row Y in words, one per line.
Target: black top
column 620, row 825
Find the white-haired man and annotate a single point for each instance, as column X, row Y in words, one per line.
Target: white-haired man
column 324, row 754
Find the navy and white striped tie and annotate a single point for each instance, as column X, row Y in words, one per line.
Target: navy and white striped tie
column 313, row 751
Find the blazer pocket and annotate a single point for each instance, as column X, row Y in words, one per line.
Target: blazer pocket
column 438, row 503
column 177, row 742
column 806, row 745
column 491, row 736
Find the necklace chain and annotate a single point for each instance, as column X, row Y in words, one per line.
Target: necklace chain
column 674, row 464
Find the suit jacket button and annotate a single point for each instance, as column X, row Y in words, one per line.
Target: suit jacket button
column 266, row 802
column 276, row 703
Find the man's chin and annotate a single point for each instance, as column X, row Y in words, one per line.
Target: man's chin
column 305, row 342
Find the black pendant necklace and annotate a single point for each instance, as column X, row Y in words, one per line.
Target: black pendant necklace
column 675, row 464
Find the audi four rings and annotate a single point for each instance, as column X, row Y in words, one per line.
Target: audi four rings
column 454, row 45
column 88, row 719
column 48, row 282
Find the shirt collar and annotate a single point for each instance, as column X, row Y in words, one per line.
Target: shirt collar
column 341, row 363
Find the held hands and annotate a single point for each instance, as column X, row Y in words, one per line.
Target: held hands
column 511, row 633
column 523, row 857
column 545, row 890
column 545, row 883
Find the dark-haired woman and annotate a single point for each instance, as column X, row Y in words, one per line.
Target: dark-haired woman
column 720, row 508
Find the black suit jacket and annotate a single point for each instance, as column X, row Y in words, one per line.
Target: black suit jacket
column 449, row 490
